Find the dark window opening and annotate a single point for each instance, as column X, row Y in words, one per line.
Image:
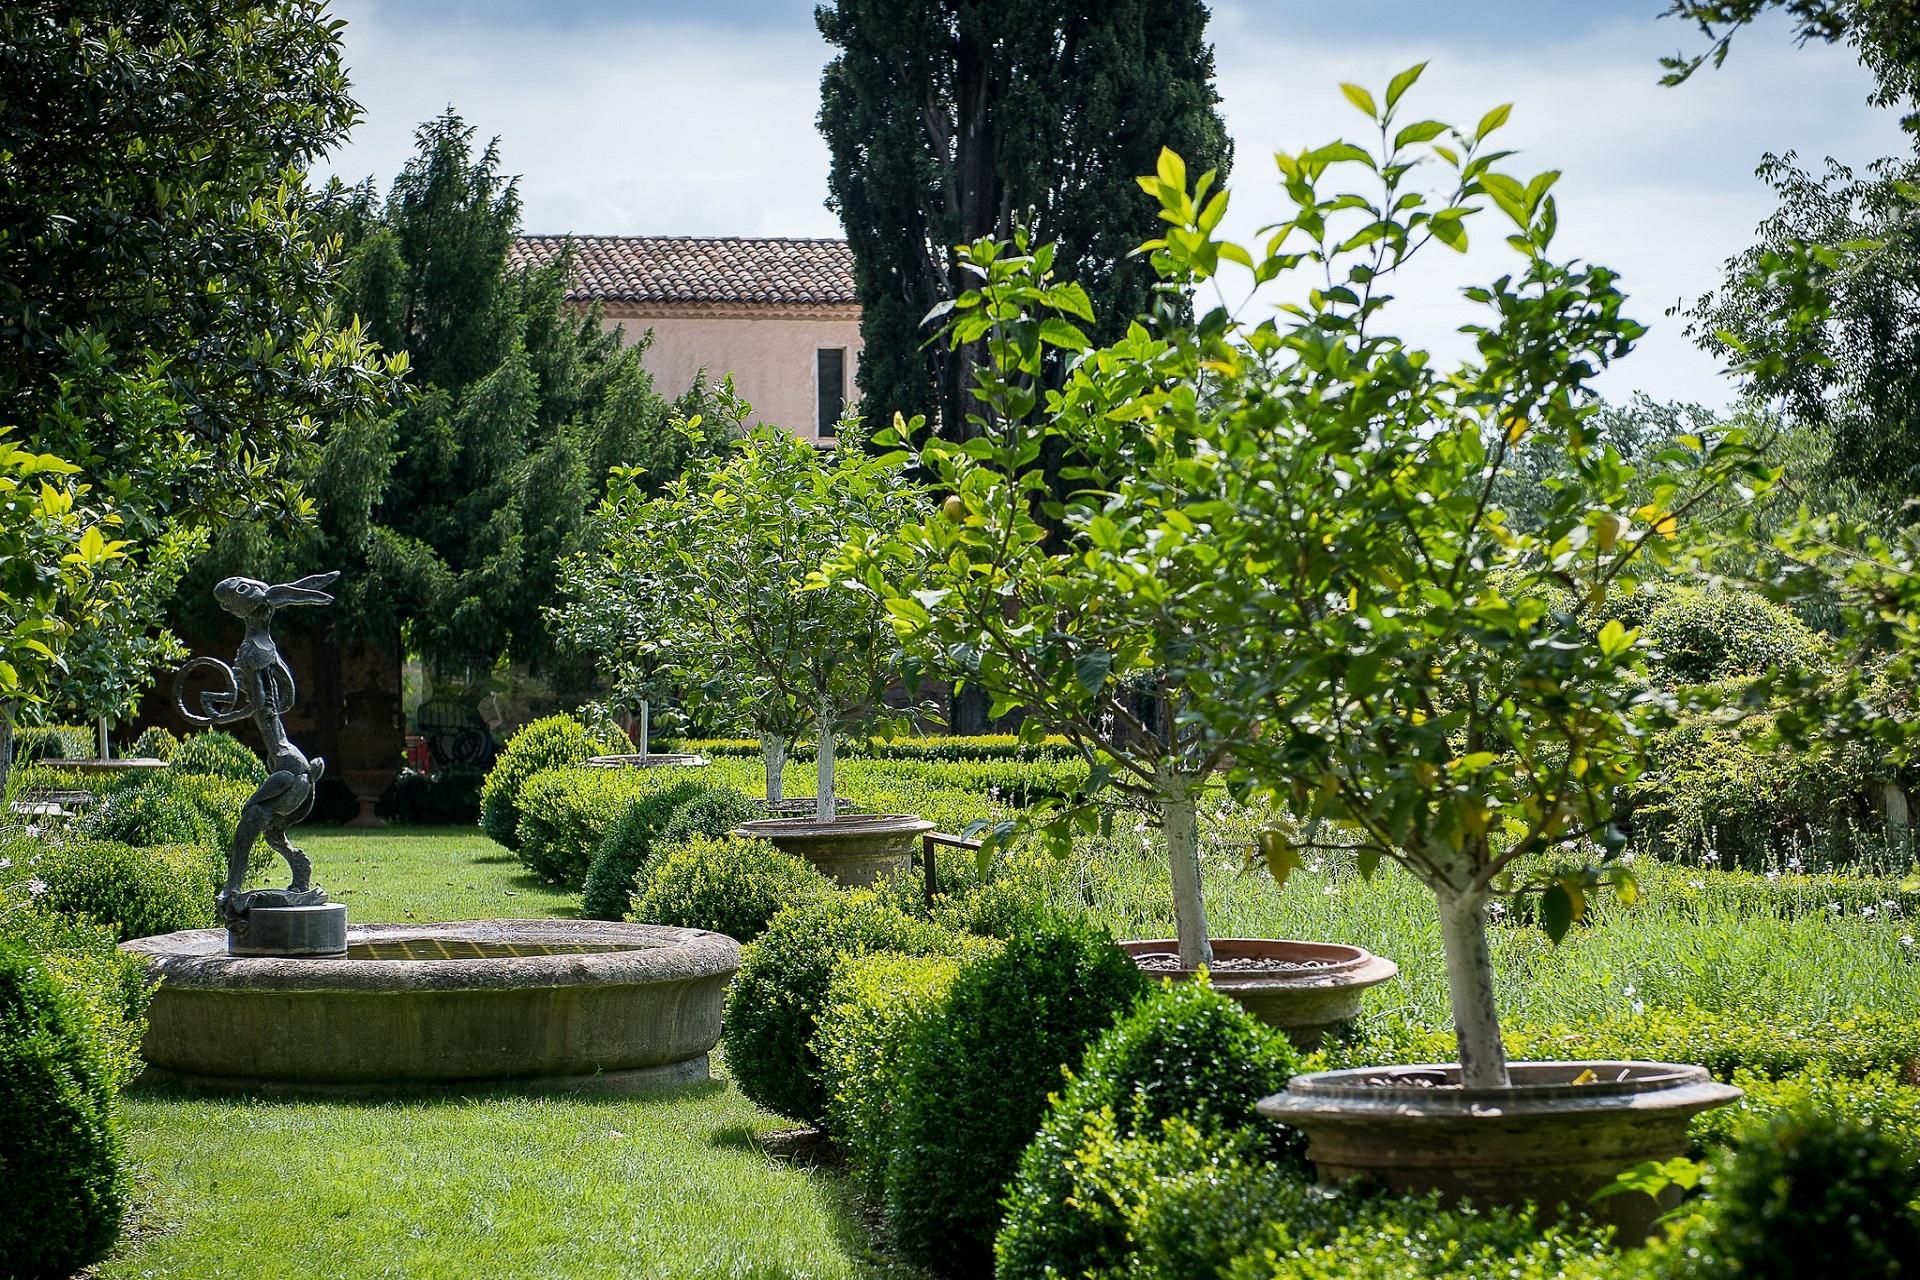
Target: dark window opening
column 830, row 384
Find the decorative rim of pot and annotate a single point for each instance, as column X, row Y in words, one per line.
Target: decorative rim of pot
column 1333, row 963
column 1432, row 1090
column 95, row 765
column 652, row 760
column 851, row 824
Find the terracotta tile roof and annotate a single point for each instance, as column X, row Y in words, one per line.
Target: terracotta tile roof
column 699, row 268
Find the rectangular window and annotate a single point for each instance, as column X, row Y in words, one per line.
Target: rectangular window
column 830, row 385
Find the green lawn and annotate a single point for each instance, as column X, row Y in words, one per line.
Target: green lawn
column 495, row 1186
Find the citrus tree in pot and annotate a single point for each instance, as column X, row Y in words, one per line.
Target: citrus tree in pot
column 1410, row 680
column 729, row 555
column 1071, row 575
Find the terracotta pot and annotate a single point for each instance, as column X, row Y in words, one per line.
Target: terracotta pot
column 853, row 849
column 1311, row 987
column 1545, row 1139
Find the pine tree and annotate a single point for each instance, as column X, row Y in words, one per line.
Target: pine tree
column 949, row 119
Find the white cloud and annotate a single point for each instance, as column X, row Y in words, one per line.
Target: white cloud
column 650, row 125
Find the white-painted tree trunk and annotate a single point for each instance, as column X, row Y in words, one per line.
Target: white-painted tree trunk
column 6, row 748
column 1476, row 1019
column 645, row 749
column 1180, row 819
column 823, row 766
column 1893, row 803
column 773, row 754
column 103, row 734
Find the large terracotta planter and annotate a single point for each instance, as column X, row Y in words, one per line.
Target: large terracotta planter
column 854, row 849
column 1545, row 1139
column 1301, row 988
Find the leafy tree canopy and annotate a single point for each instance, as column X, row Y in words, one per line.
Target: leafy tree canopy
column 1886, row 33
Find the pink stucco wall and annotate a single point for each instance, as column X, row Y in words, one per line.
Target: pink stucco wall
column 769, row 351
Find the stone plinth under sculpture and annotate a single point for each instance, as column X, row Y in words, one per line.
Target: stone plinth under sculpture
column 566, row 1004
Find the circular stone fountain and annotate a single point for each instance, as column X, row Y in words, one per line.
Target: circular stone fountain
column 573, row 1004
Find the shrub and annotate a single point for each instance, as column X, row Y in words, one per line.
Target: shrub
column 137, row 892
column 728, row 884
column 154, row 743
column 65, row 1184
column 567, row 814
column 1816, row 1194
column 1883, row 1101
column 33, row 742
column 111, row 985
column 977, row 1077
column 872, row 1011
column 713, row 811
column 1717, row 634
column 155, row 812
column 608, row 891
column 768, row 1027
column 544, row 744
column 220, row 754
column 1184, row 1052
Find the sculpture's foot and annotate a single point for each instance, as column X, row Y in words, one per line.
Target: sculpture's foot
column 234, row 906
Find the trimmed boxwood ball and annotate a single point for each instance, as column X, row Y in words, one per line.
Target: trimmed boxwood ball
column 1815, row 1193
column 546, row 743
column 149, row 813
column 1186, row 1052
column 730, row 885
column 62, row 1173
column 872, row 1012
column 136, row 892
column 977, row 1077
column 768, row 1025
column 608, row 892
column 219, row 754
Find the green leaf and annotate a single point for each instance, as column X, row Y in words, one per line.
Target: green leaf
column 1403, row 82
column 1092, row 669
column 1281, row 857
column 1360, row 98
column 1493, row 120
column 1424, row 131
column 1556, row 911
column 1056, row 332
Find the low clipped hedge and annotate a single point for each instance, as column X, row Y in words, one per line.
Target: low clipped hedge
column 135, row 891
column 548, row 743
column 170, row 808
column 873, row 1008
column 33, row 742
column 983, row 746
column 1884, row 1101
column 219, row 755
column 607, row 893
column 61, row 1152
column 727, row 884
column 566, row 815
column 1184, row 1052
column 772, row 1006
column 976, row 1077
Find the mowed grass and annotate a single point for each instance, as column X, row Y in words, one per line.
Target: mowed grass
column 493, row 1186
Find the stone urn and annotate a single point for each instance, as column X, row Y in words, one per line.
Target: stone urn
column 853, row 849
column 1561, row 1132
column 1303, row 989
column 367, row 785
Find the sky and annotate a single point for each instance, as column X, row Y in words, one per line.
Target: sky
column 674, row 118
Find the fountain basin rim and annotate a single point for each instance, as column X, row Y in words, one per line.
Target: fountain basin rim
column 197, row 959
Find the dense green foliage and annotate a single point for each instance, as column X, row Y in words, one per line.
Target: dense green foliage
column 867, row 1024
column 982, row 746
column 945, row 120
column 976, row 1077
column 607, row 892
column 544, row 744
column 784, row 977
column 51, row 742
column 219, row 754
column 136, row 891
column 728, row 884
column 62, row 1170
column 1184, row 1052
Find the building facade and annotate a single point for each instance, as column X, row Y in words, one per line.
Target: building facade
column 777, row 315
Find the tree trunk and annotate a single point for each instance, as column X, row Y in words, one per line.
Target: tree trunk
column 645, row 749
column 823, row 767
column 1179, row 816
column 773, row 753
column 1899, row 816
column 103, row 740
column 6, row 749
column 1476, row 1019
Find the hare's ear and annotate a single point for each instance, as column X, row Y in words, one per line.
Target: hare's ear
column 306, row 590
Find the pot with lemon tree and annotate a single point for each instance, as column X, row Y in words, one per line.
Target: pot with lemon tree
column 1400, row 679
